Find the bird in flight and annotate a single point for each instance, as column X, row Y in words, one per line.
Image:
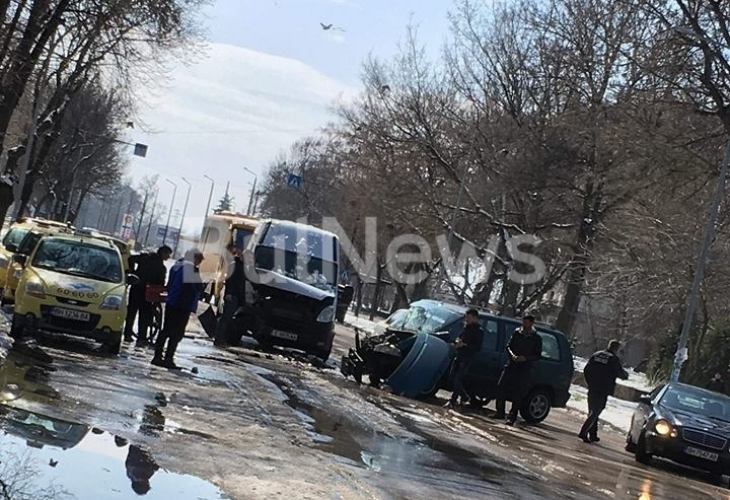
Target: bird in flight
column 330, row 27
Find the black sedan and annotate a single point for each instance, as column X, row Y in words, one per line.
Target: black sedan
column 685, row 424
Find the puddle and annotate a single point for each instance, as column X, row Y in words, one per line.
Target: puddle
column 43, row 458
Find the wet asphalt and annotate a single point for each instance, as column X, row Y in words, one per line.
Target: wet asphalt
column 243, row 423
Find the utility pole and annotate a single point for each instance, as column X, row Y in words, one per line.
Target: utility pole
column 169, row 212
column 182, row 218
column 210, row 195
column 253, row 190
column 141, row 216
column 681, row 354
column 152, row 216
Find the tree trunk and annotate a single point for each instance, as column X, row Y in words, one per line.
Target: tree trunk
column 378, row 290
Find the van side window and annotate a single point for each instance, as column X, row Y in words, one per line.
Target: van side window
column 550, row 346
column 491, row 334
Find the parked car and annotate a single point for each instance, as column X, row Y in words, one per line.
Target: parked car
column 685, row 424
column 72, row 284
column 411, row 359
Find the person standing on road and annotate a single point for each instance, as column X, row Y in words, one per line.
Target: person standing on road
column 184, row 289
column 600, row 373
column 235, row 289
column 467, row 346
column 717, row 384
column 150, row 269
column 525, row 347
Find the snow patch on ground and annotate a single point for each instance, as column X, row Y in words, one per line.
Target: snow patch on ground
column 360, row 323
column 617, row 413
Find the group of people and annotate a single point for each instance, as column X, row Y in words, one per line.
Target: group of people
column 524, row 349
column 184, row 290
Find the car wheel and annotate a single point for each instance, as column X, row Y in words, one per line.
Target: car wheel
column 323, row 354
column 640, row 452
column 630, row 446
column 17, row 330
column 536, row 406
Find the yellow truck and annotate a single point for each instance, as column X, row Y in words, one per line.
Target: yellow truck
column 221, row 229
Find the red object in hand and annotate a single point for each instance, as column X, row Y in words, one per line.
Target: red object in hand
column 155, row 293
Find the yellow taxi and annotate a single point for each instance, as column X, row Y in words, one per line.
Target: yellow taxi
column 21, row 239
column 73, row 284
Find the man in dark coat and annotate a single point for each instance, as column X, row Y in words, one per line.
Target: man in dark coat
column 600, row 373
column 525, row 347
column 467, row 346
column 717, row 384
column 184, row 289
column 234, row 294
column 150, row 269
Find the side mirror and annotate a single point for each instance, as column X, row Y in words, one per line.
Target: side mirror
column 20, row 259
column 133, row 280
column 645, row 399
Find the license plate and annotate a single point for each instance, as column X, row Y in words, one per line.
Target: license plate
column 73, row 314
column 284, row 335
column 706, row 455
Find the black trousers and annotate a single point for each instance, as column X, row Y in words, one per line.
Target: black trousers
column 173, row 331
column 459, row 371
column 146, row 310
column 512, row 385
column 596, row 404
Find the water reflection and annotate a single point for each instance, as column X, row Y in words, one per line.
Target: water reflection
column 140, row 469
column 44, row 458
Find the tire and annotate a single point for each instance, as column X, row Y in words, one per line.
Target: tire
column 630, row 445
column 640, row 453
column 323, row 354
column 17, row 330
column 536, row 406
column 114, row 347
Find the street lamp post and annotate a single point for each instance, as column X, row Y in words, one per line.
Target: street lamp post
column 253, row 190
column 681, row 354
column 169, row 212
column 182, row 219
column 210, row 195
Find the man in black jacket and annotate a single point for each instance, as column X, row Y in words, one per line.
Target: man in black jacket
column 150, row 269
column 235, row 289
column 600, row 373
column 467, row 346
column 525, row 347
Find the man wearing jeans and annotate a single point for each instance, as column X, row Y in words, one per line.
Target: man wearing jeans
column 467, row 346
column 235, row 289
column 600, row 373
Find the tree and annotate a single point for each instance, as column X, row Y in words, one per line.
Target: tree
column 225, row 203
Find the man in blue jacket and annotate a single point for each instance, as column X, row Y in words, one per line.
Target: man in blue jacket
column 184, row 289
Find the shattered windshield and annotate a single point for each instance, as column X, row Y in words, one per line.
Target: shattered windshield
column 308, row 256
column 428, row 318
column 79, row 259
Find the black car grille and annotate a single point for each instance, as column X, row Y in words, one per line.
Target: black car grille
column 72, row 302
column 704, row 439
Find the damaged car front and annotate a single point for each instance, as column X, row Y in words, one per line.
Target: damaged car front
column 412, row 355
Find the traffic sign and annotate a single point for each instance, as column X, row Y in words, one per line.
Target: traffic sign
column 294, row 180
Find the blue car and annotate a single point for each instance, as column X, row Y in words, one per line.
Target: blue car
column 413, row 358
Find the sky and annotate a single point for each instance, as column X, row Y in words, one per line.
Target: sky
column 270, row 75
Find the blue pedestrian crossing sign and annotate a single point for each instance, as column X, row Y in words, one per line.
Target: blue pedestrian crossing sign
column 294, row 180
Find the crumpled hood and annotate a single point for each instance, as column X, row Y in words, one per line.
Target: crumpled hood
column 695, row 421
column 281, row 282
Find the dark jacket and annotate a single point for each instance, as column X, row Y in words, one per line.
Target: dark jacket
column 527, row 344
column 149, row 268
column 472, row 337
column 601, row 372
column 184, row 288
column 716, row 385
column 236, row 279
